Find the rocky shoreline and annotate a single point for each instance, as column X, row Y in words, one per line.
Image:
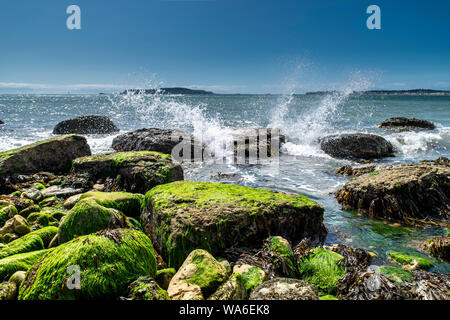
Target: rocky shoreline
column 130, row 227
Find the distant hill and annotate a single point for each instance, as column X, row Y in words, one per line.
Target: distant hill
column 167, row 91
column 412, row 92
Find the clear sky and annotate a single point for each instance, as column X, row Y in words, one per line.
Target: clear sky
column 247, row 46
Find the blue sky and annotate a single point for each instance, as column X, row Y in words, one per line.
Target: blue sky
column 224, row 45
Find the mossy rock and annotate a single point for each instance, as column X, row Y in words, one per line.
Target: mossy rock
column 328, row 297
column 135, row 172
column 164, row 276
column 88, row 216
column 33, row 241
column 249, row 276
column 232, row 289
column 29, row 210
column 186, row 215
column 398, row 276
column 198, row 277
column 50, row 155
column 282, row 256
column 411, row 260
column 128, row 203
column 108, row 261
column 19, row 262
column 322, row 268
column 145, row 288
column 40, row 218
column 8, row 291
column 6, row 212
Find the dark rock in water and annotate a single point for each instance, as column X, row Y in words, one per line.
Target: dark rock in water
column 135, row 172
column 438, row 247
column 355, row 171
column 91, row 124
column 185, row 215
column 285, row 289
column 257, row 142
column 153, row 139
column 357, row 145
column 1, row 122
column 52, row 155
column 413, row 194
column 402, row 123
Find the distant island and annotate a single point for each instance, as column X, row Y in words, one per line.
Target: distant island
column 166, row 91
column 412, row 92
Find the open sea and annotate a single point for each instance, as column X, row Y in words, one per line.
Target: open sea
column 303, row 167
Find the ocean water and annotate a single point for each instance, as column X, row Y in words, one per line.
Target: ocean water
column 303, row 168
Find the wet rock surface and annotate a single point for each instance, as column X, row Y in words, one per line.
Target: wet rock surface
column 90, row 124
column 357, row 146
column 285, row 289
column 411, row 194
column 403, row 124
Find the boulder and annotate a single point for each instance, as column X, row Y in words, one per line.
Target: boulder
column 145, row 288
column 8, row 291
column 285, row 289
column 153, row 139
column 357, row 145
column 19, row 262
column 33, row 241
column 135, row 172
column 198, row 277
column 107, row 261
column 438, row 247
column 413, row 194
column 185, row 215
column 402, row 123
column 232, row 289
column 1, row 122
column 91, row 124
column 17, row 225
column 7, row 211
column 261, row 142
column 61, row 192
column 96, row 211
column 249, row 276
column 54, row 155
column 282, row 256
column 164, row 276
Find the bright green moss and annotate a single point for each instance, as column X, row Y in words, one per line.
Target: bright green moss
column 251, row 279
column 145, row 288
column 283, row 256
column 40, row 218
column 397, row 275
column 46, row 234
column 29, row 210
column 410, row 259
column 19, row 262
column 27, row 243
column 39, row 186
column 321, row 268
column 120, row 157
column 108, row 261
column 203, row 194
column 328, row 297
column 389, row 230
column 128, row 203
column 86, row 217
column 209, row 272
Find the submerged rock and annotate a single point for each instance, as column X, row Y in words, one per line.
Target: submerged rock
column 401, row 123
column 54, row 155
column 357, row 145
column 185, row 215
column 91, row 124
column 135, row 172
column 107, row 263
column 410, row 261
column 413, row 194
column 438, row 247
column 285, row 289
column 198, row 277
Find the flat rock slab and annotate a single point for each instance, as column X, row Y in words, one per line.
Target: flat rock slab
column 413, row 194
column 185, row 215
column 285, row 289
column 135, row 172
column 403, row 124
column 61, row 192
column 91, row 124
column 357, row 145
column 53, row 155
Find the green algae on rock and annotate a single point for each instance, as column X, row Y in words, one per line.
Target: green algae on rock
column 164, row 276
column 249, row 276
column 282, row 256
column 411, row 260
column 7, row 211
column 198, row 277
column 19, row 262
column 322, row 268
column 413, row 194
column 89, row 215
column 128, row 203
column 145, row 288
column 398, row 276
column 135, row 172
column 108, row 262
column 186, row 215
column 232, row 289
column 285, row 289
column 52, row 155
column 33, row 241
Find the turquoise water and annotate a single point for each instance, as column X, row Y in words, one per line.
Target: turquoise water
column 303, row 167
